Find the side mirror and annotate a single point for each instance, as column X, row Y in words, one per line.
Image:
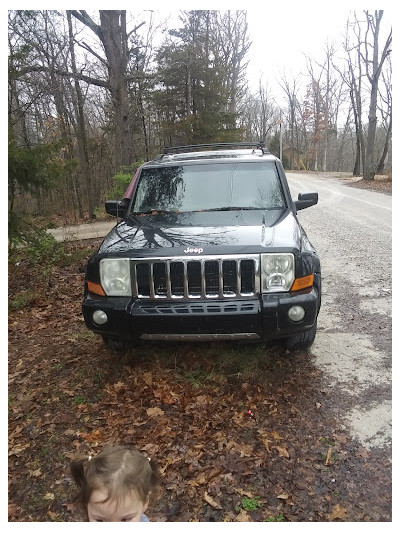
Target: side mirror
column 116, row 208
column 306, row 200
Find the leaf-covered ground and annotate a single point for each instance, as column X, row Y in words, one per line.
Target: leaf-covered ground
column 241, row 433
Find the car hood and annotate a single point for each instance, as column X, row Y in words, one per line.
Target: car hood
column 204, row 232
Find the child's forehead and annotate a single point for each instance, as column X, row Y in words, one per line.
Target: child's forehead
column 101, row 496
column 127, row 508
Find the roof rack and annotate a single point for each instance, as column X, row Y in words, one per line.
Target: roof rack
column 215, row 146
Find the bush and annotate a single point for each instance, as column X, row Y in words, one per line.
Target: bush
column 122, row 180
column 35, row 244
column 43, row 248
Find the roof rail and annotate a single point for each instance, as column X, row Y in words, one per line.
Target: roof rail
column 215, row 146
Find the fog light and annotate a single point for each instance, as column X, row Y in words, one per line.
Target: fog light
column 100, row 317
column 296, row 313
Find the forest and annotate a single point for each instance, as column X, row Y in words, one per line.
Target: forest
column 92, row 96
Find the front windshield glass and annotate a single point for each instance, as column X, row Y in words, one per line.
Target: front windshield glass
column 199, row 187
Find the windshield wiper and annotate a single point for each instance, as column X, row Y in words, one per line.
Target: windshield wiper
column 235, row 208
column 151, row 212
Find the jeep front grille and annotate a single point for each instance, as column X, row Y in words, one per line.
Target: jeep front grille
column 196, row 277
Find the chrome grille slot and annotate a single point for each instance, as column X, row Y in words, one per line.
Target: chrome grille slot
column 211, row 273
column 194, row 278
column 247, row 275
column 188, row 278
column 176, row 275
column 229, row 276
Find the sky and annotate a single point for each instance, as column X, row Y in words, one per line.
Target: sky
column 283, row 36
column 281, row 41
column 284, row 33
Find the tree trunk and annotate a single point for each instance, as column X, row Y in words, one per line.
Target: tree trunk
column 114, row 39
column 381, row 164
column 81, row 135
column 112, row 34
column 359, row 126
column 369, row 169
column 357, row 162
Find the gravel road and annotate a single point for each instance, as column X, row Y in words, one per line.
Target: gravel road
column 351, row 229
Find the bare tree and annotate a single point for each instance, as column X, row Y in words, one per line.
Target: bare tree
column 373, row 70
column 112, row 33
column 231, row 44
column 353, row 77
column 260, row 114
column 386, row 112
column 81, row 128
column 291, row 89
column 325, row 96
column 364, row 68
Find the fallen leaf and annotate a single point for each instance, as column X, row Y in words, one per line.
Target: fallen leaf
column 49, row 496
column 95, row 436
column 275, row 435
column 18, row 449
column 243, row 492
column 263, row 434
column 283, row 496
column 199, row 480
column 151, row 449
column 119, row 386
column 17, row 432
column 245, row 450
column 243, row 516
column 35, row 473
column 266, row 443
column 169, row 398
column 12, row 509
column 210, row 501
column 282, row 451
column 168, row 463
column 148, row 378
column 337, row 513
column 154, row 411
column 215, row 472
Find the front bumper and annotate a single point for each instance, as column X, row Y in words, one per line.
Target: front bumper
column 263, row 318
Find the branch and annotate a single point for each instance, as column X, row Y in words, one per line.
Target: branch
column 87, row 47
column 87, row 21
column 386, row 51
column 66, row 74
column 135, row 29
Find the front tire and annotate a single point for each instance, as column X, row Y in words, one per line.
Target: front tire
column 301, row 341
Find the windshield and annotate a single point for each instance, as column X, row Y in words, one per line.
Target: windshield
column 200, row 187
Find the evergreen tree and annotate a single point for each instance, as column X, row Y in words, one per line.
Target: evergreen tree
column 192, row 97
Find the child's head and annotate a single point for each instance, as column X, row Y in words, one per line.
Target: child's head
column 116, row 485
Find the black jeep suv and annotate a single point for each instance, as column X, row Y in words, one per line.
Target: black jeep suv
column 208, row 247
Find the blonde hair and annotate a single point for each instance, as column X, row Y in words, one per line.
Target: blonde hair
column 119, row 470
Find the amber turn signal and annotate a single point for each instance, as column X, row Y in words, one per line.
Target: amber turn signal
column 95, row 288
column 300, row 284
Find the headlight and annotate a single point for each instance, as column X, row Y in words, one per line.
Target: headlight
column 277, row 272
column 115, row 277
